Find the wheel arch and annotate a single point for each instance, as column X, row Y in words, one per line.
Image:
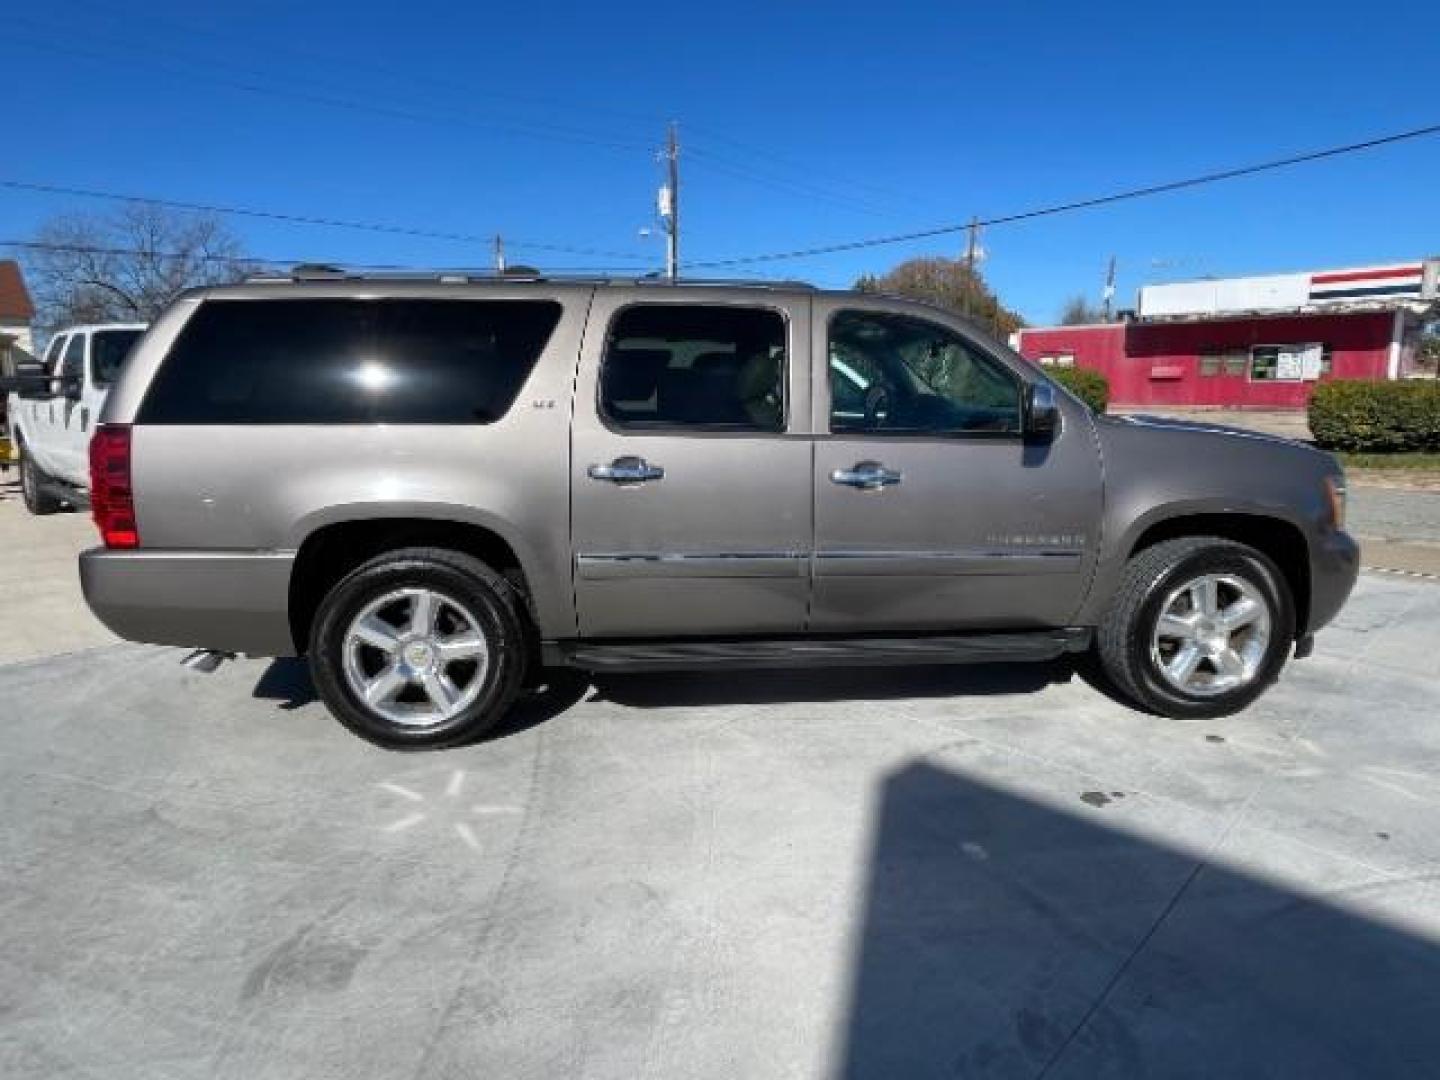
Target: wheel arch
column 332, row 550
column 1280, row 540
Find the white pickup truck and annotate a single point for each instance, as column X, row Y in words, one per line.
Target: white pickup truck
column 51, row 419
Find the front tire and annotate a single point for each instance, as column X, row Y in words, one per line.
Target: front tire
column 1199, row 627
column 34, row 488
column 421, row 647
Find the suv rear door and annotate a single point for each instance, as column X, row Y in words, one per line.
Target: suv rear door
column 691, row 465
column 931, row 510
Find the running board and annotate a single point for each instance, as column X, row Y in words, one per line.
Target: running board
column 1022, row 646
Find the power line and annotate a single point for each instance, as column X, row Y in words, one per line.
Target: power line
column 247, row 84
column 192, row 256
column 303, row 219
column 130, row 19
column 1078, row 204
column 265, row 261
column 781, row 164
column 709, row 159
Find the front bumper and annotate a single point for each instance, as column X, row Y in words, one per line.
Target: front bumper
column 227, row 601
column 1334, row 566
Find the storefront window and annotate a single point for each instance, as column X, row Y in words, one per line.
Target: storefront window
column 1223, row 362
column 1289, row 363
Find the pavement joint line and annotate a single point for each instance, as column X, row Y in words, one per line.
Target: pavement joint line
column 1202, row 862
column 1418, row 574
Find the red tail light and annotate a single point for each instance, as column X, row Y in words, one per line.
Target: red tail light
column 112, row 500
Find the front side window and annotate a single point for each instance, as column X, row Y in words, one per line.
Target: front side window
column 108, row 349
column 350, row 362
column 670, row 366
column 897, row 374
column 72, row 365
column 54, row 353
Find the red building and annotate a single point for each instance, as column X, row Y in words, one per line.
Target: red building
column 1260, row 342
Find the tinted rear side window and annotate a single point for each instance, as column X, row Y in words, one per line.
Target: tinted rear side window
column 695, row 366
column 350, row 362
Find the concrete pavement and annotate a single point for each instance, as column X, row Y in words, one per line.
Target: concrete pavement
column 969, row 872
column 41, row 609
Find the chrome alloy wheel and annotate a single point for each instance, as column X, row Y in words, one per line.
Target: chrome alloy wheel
column 1212, row 635
column 415, row 657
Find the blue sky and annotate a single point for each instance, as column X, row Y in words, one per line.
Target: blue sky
column 801, row 124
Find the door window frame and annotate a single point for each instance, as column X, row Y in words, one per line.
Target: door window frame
column 698, row 430
column 826, row 395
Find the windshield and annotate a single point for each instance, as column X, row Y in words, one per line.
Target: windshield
column 108, row 349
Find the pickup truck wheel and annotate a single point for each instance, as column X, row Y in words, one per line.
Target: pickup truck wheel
column 34, row 488
column 1199, row 627
column 421, row 647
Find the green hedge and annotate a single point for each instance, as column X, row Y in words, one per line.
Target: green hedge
column 1089, row 386
column 1383, row 417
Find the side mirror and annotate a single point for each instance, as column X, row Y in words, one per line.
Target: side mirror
column 71, row 386
column 1042, row 412
column 29, row 381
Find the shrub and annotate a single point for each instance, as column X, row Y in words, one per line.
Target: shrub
column 1383, row 417
column 1089, row 386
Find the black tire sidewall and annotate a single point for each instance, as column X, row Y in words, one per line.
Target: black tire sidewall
column 29, row 483
column 488, row 605
column 1228, row 559
column 32, row 487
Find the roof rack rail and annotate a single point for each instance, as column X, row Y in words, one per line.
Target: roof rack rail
column 464, row 276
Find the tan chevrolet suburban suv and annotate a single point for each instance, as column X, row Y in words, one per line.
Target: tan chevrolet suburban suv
column 437, row 486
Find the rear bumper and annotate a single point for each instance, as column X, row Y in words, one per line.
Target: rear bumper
column 227, row 601
column 1334, row 566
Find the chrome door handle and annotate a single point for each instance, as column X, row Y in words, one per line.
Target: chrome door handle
column 626, row 470
column 866, row 475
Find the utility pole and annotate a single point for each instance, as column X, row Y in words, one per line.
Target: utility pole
column 669, row 202
column 972, row 253
column 499, row 254
column 1109, row 297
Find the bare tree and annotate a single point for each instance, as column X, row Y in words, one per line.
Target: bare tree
column 127, row 265
column 1078, row 311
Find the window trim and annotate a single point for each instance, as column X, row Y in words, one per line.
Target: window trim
column 827, row 397
column 695, row 430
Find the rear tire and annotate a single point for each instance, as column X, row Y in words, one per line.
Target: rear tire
column 418, row 648
column 35, row 489
column 1198, row 628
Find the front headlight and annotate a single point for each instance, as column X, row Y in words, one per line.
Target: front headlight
column 1335, row 493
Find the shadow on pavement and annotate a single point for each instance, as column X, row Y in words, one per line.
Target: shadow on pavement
column 1001, row 937
column 756, row 687
column 287, row 682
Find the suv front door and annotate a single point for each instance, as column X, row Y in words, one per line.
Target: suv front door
column 691, row 468
column 932, row 512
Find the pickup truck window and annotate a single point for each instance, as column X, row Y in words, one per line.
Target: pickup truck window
column 350, row 362
column 695, row 366
column 893, row 374
column 73, row 364
column 108, row 349
column 53, row 352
